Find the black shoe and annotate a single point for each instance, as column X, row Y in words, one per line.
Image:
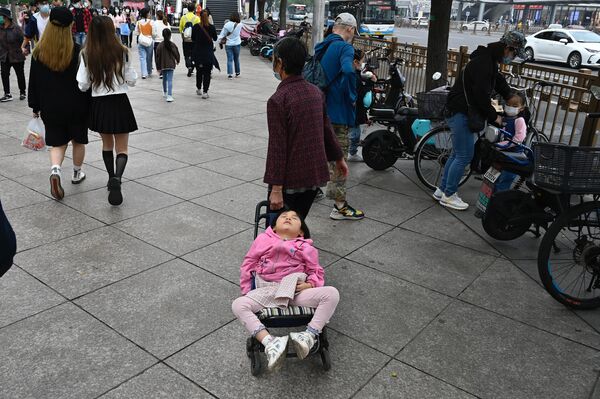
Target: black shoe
column 114, row 191
column 23, row 96
column 189, row 72
column 6, row 98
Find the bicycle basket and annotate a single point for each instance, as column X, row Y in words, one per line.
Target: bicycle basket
column 571, row 170
column 432, row 104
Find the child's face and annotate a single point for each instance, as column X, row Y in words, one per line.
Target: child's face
column 358, row 64
column 288, row 223
column 515, row 101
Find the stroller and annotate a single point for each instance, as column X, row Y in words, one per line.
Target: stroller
column 293, row 316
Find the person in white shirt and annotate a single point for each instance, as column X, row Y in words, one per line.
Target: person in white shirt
column 158, row 26
column 231, row 36
column 106, row 70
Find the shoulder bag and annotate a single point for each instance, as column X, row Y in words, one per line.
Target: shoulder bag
column 223, row 41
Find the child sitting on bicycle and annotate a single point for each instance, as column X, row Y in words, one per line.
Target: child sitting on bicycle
column 285, row 268
column 515, row 123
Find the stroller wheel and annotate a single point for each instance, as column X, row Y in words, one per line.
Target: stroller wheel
column 255, row 365
column 325, row 359
column 249, row 347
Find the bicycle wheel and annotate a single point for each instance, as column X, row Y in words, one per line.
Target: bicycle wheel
column 535, row 136
column 569, row 257
column 431, row 155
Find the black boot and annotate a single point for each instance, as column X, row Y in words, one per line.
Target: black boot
column 115, row 197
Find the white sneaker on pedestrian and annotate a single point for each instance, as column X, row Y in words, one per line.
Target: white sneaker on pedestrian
column 453, row 202
column 198, row 92
column 354, row 158
column 303, row 343
column 437, row 195
column 204, row 96
column 276, row 351
column 78, row 176
column 170, row 99
column 164, row 94
column 55, row 187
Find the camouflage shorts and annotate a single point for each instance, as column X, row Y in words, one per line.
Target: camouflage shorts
column 336, row 187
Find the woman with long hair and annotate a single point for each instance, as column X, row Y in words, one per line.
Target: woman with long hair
column 105, row 68
column 203, row 54
column 143, row 30
column 158, row 28
column 55, row 97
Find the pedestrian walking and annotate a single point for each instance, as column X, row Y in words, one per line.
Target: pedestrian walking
column 158, row 28
column 338, row 64
column 55, row 97
column 143, row 31
column 36, row 25
column 105, row 68
column 11, row 55
column 301, row 138
column 203, row 54
column 167, row 58
column 186, row 23
column 230, row 38
column 82, row 17
column 469, row 106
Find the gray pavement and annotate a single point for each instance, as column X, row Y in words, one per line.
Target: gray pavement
column 134, row 301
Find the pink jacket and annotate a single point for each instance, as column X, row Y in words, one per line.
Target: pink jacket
column 273, row 258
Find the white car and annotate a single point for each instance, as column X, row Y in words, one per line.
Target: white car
column 478, row 25
column 575, row 47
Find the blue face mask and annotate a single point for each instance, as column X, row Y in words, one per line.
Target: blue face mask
column 507, row 60
column 275, row 73
column 45, row 9
column 1, row 20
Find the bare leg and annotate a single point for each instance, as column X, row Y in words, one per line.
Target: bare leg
column 78, row 153
column 57, row 155
column 121, row 143
column 108, row 142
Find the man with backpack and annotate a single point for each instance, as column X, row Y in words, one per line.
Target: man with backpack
column 336, row 57
column 187, row 22
column 82, row 17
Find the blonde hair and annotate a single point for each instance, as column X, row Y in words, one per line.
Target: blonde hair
column 55, row 48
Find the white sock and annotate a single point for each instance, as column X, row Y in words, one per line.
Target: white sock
column 267, row 340
column 55, row 167
column 76, row 168
column 312, row 333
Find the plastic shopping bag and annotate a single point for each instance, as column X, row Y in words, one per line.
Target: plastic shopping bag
column 35, row 135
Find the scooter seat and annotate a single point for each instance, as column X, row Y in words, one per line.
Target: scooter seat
column 384, row 113
column 407, row 111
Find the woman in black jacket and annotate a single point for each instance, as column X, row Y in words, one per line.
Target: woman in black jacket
column 55, row 97
column 473, row 89
column 203, row 53
column 11, row 55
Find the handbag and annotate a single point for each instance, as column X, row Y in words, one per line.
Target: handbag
column 475, row 121
column 124, row 28
column 144, row 40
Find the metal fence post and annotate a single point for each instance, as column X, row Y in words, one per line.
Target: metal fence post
column 590, row 126
column 462, row 59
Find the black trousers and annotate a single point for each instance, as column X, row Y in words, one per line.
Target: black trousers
column 203, row 78
column 187, row 54
column 19, row 68
column 299, row 202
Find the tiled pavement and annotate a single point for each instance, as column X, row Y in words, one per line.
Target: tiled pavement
column 134, row 301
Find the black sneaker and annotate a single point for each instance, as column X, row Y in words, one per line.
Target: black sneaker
column 6, row 98
column 23, row 96
column 320, row 195
column 114, row 191
column 346, row 212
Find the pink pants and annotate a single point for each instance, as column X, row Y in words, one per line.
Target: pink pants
column 325, row 299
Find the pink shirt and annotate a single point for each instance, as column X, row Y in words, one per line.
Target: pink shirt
column 273, row 258
column 520, row 131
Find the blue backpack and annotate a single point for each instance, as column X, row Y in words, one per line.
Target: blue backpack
column 313, row 71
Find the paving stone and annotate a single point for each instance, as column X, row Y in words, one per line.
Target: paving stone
column 137, row 200
column 506, row 290
column 65, row 353
column 22, row 296
column 239, row 142
column 379, row 310
column 94, row 259
column 36, row 224
column 238, row 202
column 195, row 153
column 423, row 260
column 157, row 382
column 399, row 381
column 94, row 178
column 165, row 308
column 93, row 151
column 243, row 167
column 228, row 374
column 439, row 223
column 182, row 228
column 11, row 145
column 393, row 180
column 32, row 162
column 146, row 164
column 14, row 195
column 198, row 131
column 191, row 182
column 491, row 356
column 384, row 206
column 155, row 140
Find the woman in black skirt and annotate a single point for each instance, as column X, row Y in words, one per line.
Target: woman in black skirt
column 53, row 95
column 105, row 68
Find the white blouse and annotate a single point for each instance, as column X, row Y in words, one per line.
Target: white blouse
column 83, row 79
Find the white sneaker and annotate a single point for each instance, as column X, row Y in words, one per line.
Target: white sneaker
column 303, row 343
column 198, row 92
column 355, row 158
column 170, row 99
column 276, row 351
column 164, row 94
column 437, row 195
column 55, row 187
column 78, row 176
column 205, row 96
column 453, row 202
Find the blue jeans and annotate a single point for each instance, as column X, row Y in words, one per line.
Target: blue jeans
column 505, row 181
column 167, row 81
column 145, row 60
column 79, row 38
column 233, row 58
column 354, row 139
column 463, row 148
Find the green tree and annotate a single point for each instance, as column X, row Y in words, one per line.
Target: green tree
column 282, row 14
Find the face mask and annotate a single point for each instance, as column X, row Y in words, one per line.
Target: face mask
column 45, row 9
column 1, row 20
column 507, row 60
column 511, row 111
column 104, row 11
column 275, row 73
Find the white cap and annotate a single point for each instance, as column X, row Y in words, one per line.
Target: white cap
column 346, row 18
